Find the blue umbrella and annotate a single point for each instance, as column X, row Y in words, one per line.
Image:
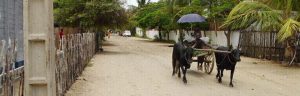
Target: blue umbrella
column 191, row 18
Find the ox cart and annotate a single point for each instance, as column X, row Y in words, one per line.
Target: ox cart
column 209, row 58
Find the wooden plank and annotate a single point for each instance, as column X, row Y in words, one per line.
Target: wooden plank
column 213, row 50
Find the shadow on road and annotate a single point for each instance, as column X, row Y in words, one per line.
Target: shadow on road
column 114, row 53
column 195, row 73
column 165, row 44
column 108, row 44
column 145, row 40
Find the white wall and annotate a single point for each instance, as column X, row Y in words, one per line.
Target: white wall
column 152, row 33
column 174, row 35
column 139, row 31
column 217, row 38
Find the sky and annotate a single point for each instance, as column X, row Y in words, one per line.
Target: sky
column 133, row 2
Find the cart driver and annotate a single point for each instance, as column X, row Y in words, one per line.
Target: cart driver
column 200, row 44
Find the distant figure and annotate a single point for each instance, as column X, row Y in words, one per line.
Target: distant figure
column 108, row 33
column 61, row 34
column 200, row 44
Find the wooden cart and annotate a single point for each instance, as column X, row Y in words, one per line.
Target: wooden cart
column 209, row 58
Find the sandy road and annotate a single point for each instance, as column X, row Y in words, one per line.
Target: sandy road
column 138, row 67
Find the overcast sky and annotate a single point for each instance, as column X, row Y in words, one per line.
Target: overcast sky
column 133, row 2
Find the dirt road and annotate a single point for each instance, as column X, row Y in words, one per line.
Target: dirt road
column 138, row 67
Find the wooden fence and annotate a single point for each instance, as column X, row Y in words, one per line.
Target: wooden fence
column 73, row 54
column 263, row 45
column 11, row 71
column 12, row 82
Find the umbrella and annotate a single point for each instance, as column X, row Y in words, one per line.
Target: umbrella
column 191, row 18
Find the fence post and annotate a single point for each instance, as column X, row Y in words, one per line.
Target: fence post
column 39, row 48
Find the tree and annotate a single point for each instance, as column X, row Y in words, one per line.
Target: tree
column 142, row 15
column 267, row 15
column 265, row 18
column 107, row 13
column 90, row 14
column 159, row 19
column 142, row 3
column 216, row 13
column 66, row 12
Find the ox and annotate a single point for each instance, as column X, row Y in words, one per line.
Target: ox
column 181, row 58
column 226, row 61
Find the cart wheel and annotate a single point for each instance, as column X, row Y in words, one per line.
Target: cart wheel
column 209, row 63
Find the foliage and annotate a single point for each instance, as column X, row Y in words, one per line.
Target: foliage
column 271, row 15
column 255, row 14
column 145, row 14
column 89, row 13
column 104, row 13
column 66, row 12
column 288, row 29
column 142, row 3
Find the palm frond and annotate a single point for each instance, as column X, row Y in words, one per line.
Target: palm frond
column 251, row 13
column 288, row 29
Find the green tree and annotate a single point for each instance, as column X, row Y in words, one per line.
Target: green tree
column 107, row 13
column 159, row 19
column 90, row 14
column 66, row 12
column 142, row 3
column 267, row 15
column 142, row 15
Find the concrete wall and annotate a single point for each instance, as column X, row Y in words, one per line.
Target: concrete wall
column 139, row 31
column 40, row 67
column 217, row 38
column 11, row 25
column 152, row 33
column 173, row 35
column 11, row 47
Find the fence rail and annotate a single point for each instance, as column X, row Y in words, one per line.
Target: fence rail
column 73, row 54
column 263, row 45
column 12, row 82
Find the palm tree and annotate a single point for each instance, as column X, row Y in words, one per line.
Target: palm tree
column 266, row 15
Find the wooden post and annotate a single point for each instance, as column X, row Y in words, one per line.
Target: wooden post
column 39, row 48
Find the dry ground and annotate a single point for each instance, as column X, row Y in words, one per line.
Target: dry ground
column 138, row 67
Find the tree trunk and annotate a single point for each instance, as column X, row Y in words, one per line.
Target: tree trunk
column 180, row 36
column 215, row 25
column 168, row 35
column 228, row 36
column 160, row 34
column 144, row 32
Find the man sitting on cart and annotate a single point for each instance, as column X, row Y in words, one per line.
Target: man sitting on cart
column 200, row 44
